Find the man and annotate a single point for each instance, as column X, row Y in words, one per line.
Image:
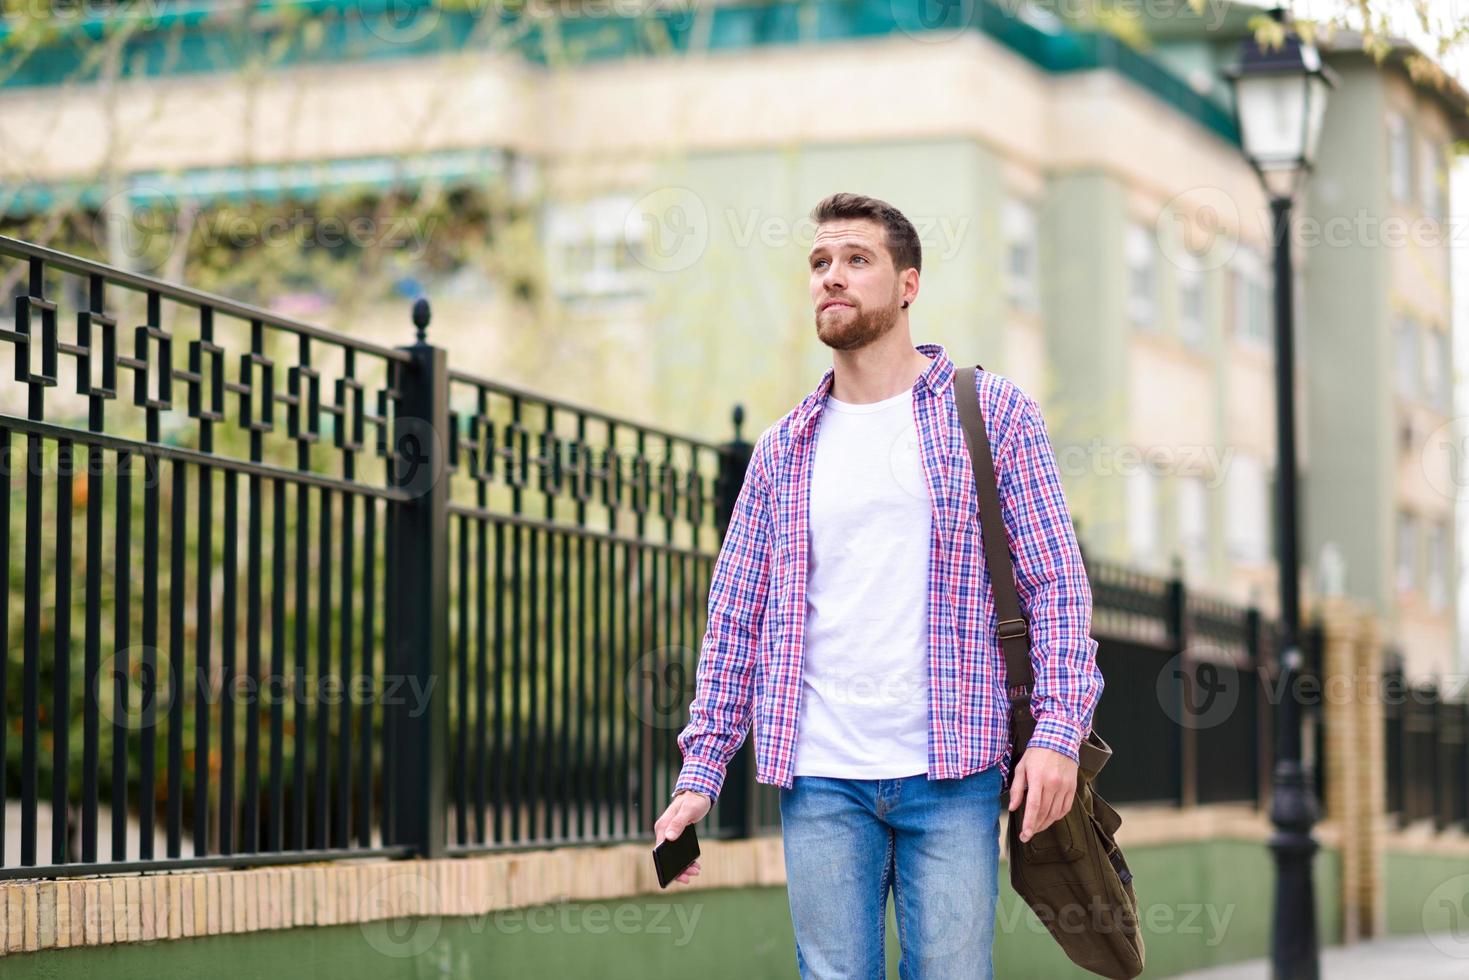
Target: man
column 851, row 620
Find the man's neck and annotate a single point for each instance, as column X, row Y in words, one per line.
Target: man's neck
column 876, row 372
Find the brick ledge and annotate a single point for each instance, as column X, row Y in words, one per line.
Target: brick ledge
column 39, row 915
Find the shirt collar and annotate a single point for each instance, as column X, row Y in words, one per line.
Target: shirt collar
column 936, row 377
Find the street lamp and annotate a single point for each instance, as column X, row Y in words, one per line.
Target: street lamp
column 1279, row 101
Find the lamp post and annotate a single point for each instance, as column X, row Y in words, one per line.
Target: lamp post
column 1280, row 98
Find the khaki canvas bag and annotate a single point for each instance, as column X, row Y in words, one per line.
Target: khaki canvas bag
column 1072, row 874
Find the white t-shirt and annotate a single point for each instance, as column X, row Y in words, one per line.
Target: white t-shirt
column 864, row 687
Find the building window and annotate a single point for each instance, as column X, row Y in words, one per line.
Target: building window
column 1142, row 276
column 1247, row 502
column 1021, row 246
column 1192, row 327
column 1437, row 368
column 1193, row 526
column 1430, row 190
column 589, row 251
column 1406, row 358
column 1437, row 584
column 1251, row 298
column 1407, row 551
column 1399, row 158
column 1142, row 518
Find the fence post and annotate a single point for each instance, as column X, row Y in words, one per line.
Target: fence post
column 1177, row 612
column 736, row 798
column 1263, row 719
column 418, row 550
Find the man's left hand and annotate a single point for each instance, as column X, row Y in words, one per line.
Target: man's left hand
column 1046, row 781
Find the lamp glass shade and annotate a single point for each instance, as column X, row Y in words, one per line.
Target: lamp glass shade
column 1280, row 101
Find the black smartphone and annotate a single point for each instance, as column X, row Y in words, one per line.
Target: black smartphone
column 673, row 857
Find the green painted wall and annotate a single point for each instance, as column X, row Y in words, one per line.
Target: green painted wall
column 1345, row 324
column 1201, row 903
column 1429, row 893
column 1087, row 342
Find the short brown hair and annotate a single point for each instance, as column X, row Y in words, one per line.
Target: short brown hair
column 902, row 239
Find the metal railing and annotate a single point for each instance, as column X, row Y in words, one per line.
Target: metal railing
column 302, row 596
column 1426, row 744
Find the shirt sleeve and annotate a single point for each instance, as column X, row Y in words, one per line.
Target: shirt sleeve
column 721, row 711
column 1055, row 595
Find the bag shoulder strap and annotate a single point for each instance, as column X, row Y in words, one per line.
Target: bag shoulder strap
column 1014, row 631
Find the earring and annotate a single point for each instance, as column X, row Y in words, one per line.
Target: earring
column 905, row 304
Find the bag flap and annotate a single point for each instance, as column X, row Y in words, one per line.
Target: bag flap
column 1093, row 754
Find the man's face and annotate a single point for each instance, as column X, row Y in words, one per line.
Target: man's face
column 854, row 288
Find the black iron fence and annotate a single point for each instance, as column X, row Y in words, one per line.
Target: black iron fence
column 306, row 596
column 1426, row 743
column 289, row 595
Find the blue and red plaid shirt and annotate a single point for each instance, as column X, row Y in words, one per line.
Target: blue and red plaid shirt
column 749, row 668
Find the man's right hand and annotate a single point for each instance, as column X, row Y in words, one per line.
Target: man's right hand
column 686, row 808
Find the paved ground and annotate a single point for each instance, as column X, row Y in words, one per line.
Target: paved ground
column 1439, row 957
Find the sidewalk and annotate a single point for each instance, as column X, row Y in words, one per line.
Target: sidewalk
column 1439, row 957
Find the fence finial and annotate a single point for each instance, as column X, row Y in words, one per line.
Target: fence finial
column 738, row 415
column 421, row 318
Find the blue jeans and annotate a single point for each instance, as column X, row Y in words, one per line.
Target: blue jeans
column 936, row 841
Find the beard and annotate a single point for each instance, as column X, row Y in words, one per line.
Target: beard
column 852, row 329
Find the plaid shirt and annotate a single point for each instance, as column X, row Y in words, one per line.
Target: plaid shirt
column 750, row 661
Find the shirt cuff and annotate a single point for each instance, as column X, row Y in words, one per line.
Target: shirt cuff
column 701, row 777
column 1060, row 734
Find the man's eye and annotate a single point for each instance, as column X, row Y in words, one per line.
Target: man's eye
column 856, row 258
